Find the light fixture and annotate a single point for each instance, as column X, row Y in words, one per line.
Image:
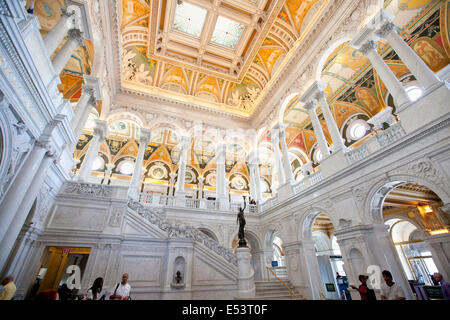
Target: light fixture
column 425, row 209
column 440, row 231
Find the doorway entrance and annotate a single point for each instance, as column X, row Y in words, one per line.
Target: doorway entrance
column 54, row 270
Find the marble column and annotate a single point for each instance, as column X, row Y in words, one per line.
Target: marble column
column 100, row 132
column 109, row 168
column 7, row 244
column 251, row 169
column 137, row 172
column 172, row 176
column 318, row 131
column 185, row 144
column 415, row 64
column 439, row 246
column 18, row 190
column 221, row 182
column 284, row 150
column 278, row 163
column 201, row 184
column 338, row 143
column 393, row 85
column 74, row 40
column 84, row 105
column 55, row 36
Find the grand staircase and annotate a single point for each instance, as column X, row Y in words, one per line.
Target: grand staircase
column 275, row 290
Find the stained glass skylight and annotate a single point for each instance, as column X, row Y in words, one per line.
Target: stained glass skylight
column 227, row 32
column 189, row 19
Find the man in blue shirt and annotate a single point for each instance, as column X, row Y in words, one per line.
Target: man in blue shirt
column 444, row 285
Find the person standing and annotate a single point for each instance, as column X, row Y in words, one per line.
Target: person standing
column 444, row 285
column 364, row 291
column 9, row 288
column 391, row 290
column 122, row 289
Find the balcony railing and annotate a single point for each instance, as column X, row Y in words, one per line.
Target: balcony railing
column 390, row 135
column 159, row 200
column 358, row 154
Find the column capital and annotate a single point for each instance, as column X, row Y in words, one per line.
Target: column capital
column 386, row 29
column 92, row 102
column 110, row 166
column 101, row 128
column 145, row 136
column 311, row 105
column 275, row 135
column 320, row 95
column 184, row 142
column 370, row 45
column 77, row 36
column 65, row 12
column 310, row 93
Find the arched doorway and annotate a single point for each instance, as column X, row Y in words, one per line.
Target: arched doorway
column 322, row 256
column 415, row 219
column 332, row 273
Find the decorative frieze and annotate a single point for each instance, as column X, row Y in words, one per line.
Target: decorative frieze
column 94, row 190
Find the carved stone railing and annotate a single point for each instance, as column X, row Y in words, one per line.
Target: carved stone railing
column 192, row 203
column 300, row 186
column 315, row 178
column 155, row 217
column 358, row 154
column 391, row 134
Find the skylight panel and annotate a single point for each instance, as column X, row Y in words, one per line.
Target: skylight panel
column 189, row 19
column 227, row 32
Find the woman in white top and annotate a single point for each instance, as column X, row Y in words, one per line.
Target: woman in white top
column 94, row 291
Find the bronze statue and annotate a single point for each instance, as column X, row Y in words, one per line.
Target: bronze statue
column 178, row 278
column 241, row 222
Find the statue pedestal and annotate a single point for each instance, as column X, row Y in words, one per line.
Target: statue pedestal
column 246, row 282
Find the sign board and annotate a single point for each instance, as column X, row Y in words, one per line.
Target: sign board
column 330, row 287
column 274, row 263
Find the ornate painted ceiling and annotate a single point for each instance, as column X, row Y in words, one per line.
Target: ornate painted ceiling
column 355, row 89
column 217, row 54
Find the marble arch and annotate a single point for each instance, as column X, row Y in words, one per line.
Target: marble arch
column 320, row 65
column 373, row 207
column 307, row 219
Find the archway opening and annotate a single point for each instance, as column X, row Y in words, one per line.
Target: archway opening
column 414, row 216
column 331, row 266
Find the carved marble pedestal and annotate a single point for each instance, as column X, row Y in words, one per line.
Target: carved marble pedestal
column 246, row 282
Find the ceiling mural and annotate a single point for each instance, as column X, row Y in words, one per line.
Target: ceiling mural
column 354, row 88
column 220, row 56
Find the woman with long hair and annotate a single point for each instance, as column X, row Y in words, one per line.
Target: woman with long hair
column 94, row 291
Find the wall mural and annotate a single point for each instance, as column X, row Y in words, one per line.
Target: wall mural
column 354, row 88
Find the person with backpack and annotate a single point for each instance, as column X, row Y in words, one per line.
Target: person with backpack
column 364, row 291
column 122, row 289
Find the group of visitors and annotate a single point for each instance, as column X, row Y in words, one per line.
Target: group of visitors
column 393, row 291
column 120, row 292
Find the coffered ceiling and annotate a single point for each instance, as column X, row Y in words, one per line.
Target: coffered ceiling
column 217, row 54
